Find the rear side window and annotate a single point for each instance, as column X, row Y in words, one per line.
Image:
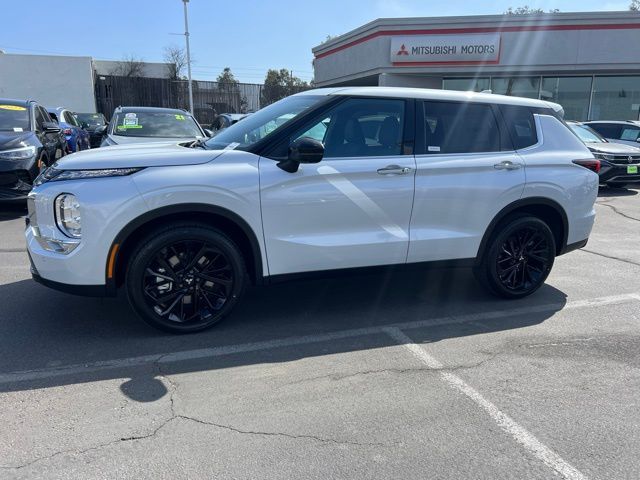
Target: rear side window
column 630, row 133
column 520, row 124
column 452, row 127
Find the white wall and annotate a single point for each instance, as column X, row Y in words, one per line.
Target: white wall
column 53, row 81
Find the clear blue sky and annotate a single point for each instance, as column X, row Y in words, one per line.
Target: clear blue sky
column 248, row 36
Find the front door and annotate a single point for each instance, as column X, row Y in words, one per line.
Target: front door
column 353, row 208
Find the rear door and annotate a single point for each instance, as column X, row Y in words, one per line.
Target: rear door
column 467, row 171
column 353, row 208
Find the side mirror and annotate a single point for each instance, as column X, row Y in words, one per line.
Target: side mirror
column 84, row 125
column 303, row 150
column 51, row 127
column 208, row 132
column 102, row 130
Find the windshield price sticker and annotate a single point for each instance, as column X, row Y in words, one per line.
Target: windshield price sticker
column 130, row 115
column 130, row 122
column 13, row 107
column 180, row 117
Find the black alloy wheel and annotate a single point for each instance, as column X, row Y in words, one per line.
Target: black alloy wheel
column 519, row 257
column 185, row 279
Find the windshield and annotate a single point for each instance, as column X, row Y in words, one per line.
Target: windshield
column 156, row 124
column 91, row 119
column 242, row 135
column 586, row 134
column 14, row 118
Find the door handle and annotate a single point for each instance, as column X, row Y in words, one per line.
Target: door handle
column 507, row 165
column 393, row 170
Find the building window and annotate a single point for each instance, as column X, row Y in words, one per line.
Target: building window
column 615, row 98
column 466, row 84
column 516, row 86
column 571, row 92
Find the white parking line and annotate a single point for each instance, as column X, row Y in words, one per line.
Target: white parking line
column 166, row 358
column 506, row 423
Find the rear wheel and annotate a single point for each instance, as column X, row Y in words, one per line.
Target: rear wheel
column 185, row 278
column 519, row 257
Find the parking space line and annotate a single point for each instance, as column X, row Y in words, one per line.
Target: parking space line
column 173, row 357
column 506, row 423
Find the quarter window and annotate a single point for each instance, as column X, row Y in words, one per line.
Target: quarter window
column 630, row 133
column 460, row 128
column 521, row 125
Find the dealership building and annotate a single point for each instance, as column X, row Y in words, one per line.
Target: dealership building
column 587, row 62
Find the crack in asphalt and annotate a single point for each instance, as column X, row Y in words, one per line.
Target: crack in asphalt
column 610, row 257
column 622, row 214
column 174, row 416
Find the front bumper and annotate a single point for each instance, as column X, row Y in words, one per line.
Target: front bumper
column 16, row 179
column 611, row 173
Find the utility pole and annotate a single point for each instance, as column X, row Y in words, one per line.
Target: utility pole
column 186, row 36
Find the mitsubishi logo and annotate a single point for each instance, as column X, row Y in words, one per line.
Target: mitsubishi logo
column 403, row 50
column 630, row 159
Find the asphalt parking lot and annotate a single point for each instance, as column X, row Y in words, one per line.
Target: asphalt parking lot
column 418, row 375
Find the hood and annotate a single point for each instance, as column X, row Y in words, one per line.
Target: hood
column 614, row 148
column 10, row 140
column 140, row 155
column 124, row 140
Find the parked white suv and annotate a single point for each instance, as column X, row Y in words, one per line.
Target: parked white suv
column 329, row 179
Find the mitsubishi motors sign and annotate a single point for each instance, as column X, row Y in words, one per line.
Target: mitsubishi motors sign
column 462, row 49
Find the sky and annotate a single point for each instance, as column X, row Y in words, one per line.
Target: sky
column 249, row 36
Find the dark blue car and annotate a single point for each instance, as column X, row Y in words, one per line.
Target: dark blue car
column 77, row 137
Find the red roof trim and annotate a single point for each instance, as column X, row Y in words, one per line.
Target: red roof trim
column 445, row 31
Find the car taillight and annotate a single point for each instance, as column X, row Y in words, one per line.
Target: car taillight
column 67, row 131
column 590, row 163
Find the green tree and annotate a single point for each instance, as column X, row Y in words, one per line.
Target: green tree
column 526, row 10
column 279, row 84
column 229, row 97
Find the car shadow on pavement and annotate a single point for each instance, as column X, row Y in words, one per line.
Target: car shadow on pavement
column 616, row 192
column 43, row 329
column 12, row 211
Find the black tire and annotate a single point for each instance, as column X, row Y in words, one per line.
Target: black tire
column 185, row 278
column 518, row 257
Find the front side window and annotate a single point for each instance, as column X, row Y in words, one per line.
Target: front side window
column 156, row 124
column 40, row 118
column 360, row 127
column 70, row 119
column 452, row 127
column 14, row 118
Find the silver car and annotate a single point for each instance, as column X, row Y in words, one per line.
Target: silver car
column 626, row 132
column 151, row 124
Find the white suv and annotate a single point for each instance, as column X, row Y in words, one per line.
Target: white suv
column 329, row 179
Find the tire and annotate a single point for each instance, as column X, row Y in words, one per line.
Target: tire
column 185, row 278
column 518, row 257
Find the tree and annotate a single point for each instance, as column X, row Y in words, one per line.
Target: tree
column 526, row 10
column 279, row 84
column 129, row 66
column 176, row 60
column 635, row 6
column 229, row 96
column 227, row 77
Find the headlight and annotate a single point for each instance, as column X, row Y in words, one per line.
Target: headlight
column 603, row 156
column 68, row 215
column 21, row 153
column 53, row 174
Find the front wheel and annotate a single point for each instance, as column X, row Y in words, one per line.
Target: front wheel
column 185, row 278
column 518, row 258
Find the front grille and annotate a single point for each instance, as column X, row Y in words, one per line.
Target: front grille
column 624, row 159
column 8, row 178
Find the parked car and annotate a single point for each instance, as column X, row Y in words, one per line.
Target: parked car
column 399, row 176
column 619, row 164
column 225, row 120
column 29, row 141
column 150, row 124
column 627, row 132
column 91, row 122
column 77, row 137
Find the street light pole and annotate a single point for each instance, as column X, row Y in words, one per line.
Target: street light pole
column 186, row 36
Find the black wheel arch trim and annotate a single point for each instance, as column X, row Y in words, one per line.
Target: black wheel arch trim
column 518, row 204
column 132, row 226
